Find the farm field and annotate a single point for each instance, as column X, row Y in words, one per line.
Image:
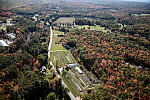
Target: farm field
column 58, row 52
column 75, row 80
column 64, row 57
column 57, row 47
column 55, row 43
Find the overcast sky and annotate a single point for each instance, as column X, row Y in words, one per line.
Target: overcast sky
column 140, row 0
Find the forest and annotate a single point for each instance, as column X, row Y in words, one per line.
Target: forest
column 109, row 57
column 110, row 40
column 21, row 63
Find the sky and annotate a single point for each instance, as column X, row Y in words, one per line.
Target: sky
column 139, row 0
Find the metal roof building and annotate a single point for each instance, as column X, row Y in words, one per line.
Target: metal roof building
column 12, row 35
column 3, row 43
column 73, row 65
column 77, row 68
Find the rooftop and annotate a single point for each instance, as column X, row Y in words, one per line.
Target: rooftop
column 11, row 35
column 3, row 43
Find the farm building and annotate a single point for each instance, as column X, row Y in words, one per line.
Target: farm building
column 79, row 70
column 43, row 69
column 11, row 35
column 73, row 65
column 65, row 21
column 7, row 41
column 3, row 43
column 9, row 20
column 68, row 66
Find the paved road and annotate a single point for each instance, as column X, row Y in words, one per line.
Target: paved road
column 50, row 43
column 49, row 50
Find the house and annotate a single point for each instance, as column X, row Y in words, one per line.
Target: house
column 9, row 20
column 36, row 17
column 43, row 69
column 139, row 66
column 3, row 43
column 67, row 67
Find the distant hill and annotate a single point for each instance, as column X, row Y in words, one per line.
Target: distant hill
column 14, row 3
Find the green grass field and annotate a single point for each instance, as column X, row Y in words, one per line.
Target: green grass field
column 4, row 27
column 97, row 27
column 73, row 77
column 70, row 85
column 50, row 76
column 57, row 47
column 56, row 40
column 57, row 32
column 9, row 19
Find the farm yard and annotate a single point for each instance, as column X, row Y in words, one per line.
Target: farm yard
column 58, row 52
column 73, row 77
